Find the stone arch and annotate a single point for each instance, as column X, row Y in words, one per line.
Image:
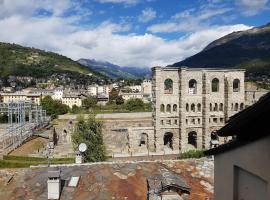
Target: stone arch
column 215, row 85
column 216, row 107
column 236, row 85
column 169, row 108
column 192, row 138
column 168, row 86
column 236, row 107
column 144, row 140
column 192, row 86
column 174, row 108
column 199, row 107
column 162, row 108
column 187, row 107
column 168, row 140
column 242, row 106
column 192, row 107
column 221, row 107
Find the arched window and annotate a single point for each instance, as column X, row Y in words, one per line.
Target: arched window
column 187, row 107
column 143, row 140
column 232, row 107
column 236, row 85
column 168, row 108
column 236, row 107
column 192, row 138
column 174, row 108
column 192, row 86
column 199, row 107
column 210, row 108
column 168, row 140
column 221, row 107
column 242, row 106
column 192, row 107
column 215, row 85
column 168, row 86
column 162, row 108
column 216, row 107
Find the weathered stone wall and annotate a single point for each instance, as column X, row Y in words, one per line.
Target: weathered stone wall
column 200, row 108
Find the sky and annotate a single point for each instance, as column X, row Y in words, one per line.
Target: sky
column 135, row 33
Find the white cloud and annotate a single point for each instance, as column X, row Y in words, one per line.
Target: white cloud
column 252, row 7
column 127, row 2
column 188, row 20
column 105, row 43
column 147, row 15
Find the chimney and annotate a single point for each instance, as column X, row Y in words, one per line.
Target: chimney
column 54, row 184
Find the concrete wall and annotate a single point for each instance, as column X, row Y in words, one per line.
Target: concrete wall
column 250, row 165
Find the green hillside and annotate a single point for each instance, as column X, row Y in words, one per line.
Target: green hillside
column 249, row 50
column 23, row 61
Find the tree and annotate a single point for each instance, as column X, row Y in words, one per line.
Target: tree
column 89, row 102
column 113, row 94
column 119, row 100
column 134, row 104
column 89, row 131
column 53, row 107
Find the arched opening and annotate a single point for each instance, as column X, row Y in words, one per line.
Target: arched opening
column 221, row 107
column 192, row 86
column 215, row 85
column 168, row 86
column 192, row 139
column 216, row 107
column 187, row 107
column 192, row 107
column 199, row 107
column 143, row 140
column 214, row 140
column 174, row 108
column 168, row 140
column 236, row 85
column 236, row 107
column 242, row 106
column 162, row 108
column 168, row 108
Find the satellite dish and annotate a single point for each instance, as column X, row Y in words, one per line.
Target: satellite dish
column 82, row 147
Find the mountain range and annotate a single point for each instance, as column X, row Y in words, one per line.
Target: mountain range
column 248, row 49
column 114, row 71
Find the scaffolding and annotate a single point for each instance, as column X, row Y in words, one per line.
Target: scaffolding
column 23, row 119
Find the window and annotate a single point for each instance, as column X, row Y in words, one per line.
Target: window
column 175, row 121
column 199, row 121
column 169, row 122
column 236, row 107
column 193, row 121
column 192, row 139
column 215, row 85
column 168, row 86
column 199, row 107
column 221, row 107
column 211, row 108
column 232, row 107
column 215, row 120
column 186, row 121
column 242, row 106
column 192, row 107
column 168, row 108
column 161, row 122
column 144, row 139
column 192, row 86
column 162, row 108
column 174, row 108
column 187, row 107
column 216, row 107
column 221, row 120
column 236, row 85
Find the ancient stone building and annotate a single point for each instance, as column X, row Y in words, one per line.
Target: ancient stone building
column 189, row 105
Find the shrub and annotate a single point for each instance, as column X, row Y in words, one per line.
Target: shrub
column 191, row 154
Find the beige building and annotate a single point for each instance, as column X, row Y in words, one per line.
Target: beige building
column 242, row 165
column 20, row 96
column 73, row 99
column 191, row 104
